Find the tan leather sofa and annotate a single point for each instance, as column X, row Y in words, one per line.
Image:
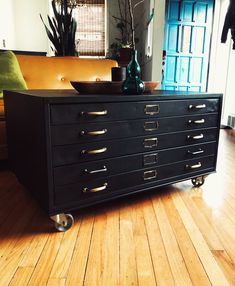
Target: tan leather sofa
column 55, row 73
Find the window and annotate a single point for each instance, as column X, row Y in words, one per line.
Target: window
column 90, row 34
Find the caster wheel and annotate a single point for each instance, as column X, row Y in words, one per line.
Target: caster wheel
column 198, row 181
column 63, row 222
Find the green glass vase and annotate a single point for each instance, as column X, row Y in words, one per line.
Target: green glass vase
column 133, row 84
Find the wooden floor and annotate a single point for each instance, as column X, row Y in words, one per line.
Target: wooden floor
column 177, row 235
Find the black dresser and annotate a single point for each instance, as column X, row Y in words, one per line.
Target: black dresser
column 73, row 150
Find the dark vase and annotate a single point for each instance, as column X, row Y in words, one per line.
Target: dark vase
column 133, row 84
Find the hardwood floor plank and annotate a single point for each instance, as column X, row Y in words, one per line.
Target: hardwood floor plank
column 128, row 270
column 204, row 223
column 12, row 235
column 9, row 199
column 37, row 244
column 222, row 226
column 225, row 263
column 95, row 264
column 63, row 259
column 175, row 258
column 111, row 249
column 229, row 210
column 45, row 263
column 103, row 259
column 212, row 202
column 213, row 271
column 162, row 269
column 143, row 257
column 16, row 224
column 33, row 244
column 14, row 248
column 56, row 282
column 77, row 268
column 22, row 276
column 9, row 262
column 192, row 261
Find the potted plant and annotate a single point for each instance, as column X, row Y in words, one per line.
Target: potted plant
column 62, row 28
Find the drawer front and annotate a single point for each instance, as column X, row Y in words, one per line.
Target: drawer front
column 87, row 132
column 70, row 154
column 109, row 167
column 73, row 113
column 85, row 190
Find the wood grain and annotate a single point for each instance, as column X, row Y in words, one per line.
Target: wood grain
column 143, row 257
column 176, row 235
column 128, row 270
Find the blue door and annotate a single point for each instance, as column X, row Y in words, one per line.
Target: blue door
column 187, row 43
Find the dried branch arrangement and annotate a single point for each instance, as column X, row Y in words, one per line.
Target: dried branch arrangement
column 125, row 22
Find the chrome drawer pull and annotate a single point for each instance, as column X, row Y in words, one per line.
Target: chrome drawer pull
column 199, row 106
column 151, row 125
column 93, row 152
column 192, row 167
column 199, row 121
column 152, row 109
column 195, row 137
column 95, row 190
column 149, row 175
column 94, row 113
column 150, row 143
column 104, row 169
column 200, row 151
column 150, row 159
column 93, row 133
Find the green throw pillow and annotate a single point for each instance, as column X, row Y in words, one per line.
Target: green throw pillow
column 10, row 73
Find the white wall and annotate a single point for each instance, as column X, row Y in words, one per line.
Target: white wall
column 7, row 25
column 222, row 62
column 230, row 86
column 152, row 66
column 30, row 34
column 158, row 40
column 21, row 26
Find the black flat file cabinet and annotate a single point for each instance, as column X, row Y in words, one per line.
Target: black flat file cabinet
column 71, row 151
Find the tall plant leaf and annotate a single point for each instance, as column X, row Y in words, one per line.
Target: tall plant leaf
column 62, row 29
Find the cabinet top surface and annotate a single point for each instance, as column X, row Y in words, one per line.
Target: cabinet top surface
column 57, row 95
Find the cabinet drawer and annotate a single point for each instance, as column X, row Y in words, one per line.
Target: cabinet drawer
column 108, row 167
column 69, row 154
column 85, row 190
column 72, row 113
column 88, row 132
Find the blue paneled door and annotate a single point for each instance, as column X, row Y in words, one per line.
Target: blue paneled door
column 187, row 44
